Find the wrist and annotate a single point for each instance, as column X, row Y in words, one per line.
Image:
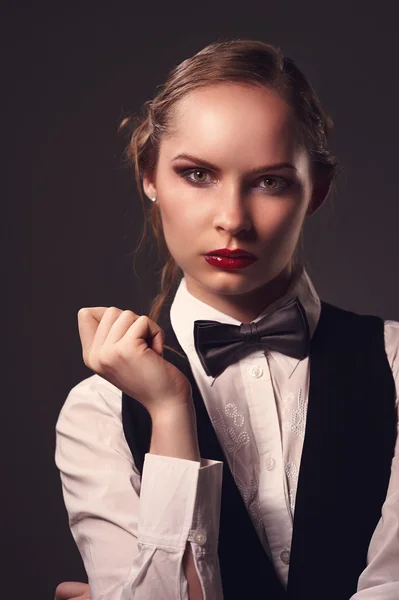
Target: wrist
column 174, row 432
column 178, row 407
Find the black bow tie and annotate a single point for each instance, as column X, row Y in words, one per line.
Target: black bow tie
column 285, row 330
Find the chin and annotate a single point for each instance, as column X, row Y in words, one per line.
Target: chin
column 233, row 283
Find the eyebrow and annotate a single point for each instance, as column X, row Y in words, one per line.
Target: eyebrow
column 205, row 163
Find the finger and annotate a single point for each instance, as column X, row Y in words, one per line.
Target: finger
column 88, row 321
column 145, row 332
column 71, row 589
column 121, row 325
column 108, row 319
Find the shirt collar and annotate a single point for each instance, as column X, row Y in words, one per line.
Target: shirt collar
column 186, row 309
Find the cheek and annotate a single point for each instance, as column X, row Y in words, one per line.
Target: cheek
column 181, row 211
column 281, row 218
column 178, row 217
column 181, row 224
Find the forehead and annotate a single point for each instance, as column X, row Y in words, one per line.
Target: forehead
column 230, row 118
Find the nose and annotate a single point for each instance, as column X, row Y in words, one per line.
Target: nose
column 232, row 212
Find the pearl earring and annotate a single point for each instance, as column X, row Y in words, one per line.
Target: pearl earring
column 153, row 198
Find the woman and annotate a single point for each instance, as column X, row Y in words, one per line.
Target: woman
column 241, row 442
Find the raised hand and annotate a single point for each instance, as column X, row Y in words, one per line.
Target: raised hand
column 126, row 349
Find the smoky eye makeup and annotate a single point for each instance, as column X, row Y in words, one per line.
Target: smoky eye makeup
column 279, row 183
column 185, row 172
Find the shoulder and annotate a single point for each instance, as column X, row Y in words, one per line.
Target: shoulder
column 94, row 395
column 359, row 321
column 90, row 418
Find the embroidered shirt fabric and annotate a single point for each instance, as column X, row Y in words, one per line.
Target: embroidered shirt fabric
column 132, row 533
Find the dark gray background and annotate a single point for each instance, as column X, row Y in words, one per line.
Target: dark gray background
column 71, row 214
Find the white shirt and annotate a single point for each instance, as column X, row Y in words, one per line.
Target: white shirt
column 132, row 532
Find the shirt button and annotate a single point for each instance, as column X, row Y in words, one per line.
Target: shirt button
column 285, row 557
column 256, row 371
column 200, row 537
column 270, row 463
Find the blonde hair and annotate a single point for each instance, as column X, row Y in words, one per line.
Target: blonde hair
column 246, row 61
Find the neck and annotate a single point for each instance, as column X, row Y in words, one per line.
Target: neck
column 244, row 307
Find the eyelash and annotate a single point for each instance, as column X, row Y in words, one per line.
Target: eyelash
column 184, row 173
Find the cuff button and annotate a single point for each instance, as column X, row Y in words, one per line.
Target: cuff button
column 200, row 537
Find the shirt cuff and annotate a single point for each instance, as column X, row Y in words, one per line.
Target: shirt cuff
column 180, row 501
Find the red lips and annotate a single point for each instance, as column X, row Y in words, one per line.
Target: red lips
column 237, row 252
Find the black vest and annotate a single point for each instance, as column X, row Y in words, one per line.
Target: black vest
column 344, row 472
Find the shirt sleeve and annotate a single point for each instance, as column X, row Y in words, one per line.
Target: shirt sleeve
column 132, row 532
column 380, row 579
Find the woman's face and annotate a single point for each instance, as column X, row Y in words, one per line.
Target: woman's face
column 236, row 129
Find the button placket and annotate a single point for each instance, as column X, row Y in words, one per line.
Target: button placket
column 272, row 500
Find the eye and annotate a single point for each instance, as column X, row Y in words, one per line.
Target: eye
column 195, row 172
column 198, row 176
column 278, row 183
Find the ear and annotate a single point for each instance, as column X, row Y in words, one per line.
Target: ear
column 321, row 190
column 149, row 184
